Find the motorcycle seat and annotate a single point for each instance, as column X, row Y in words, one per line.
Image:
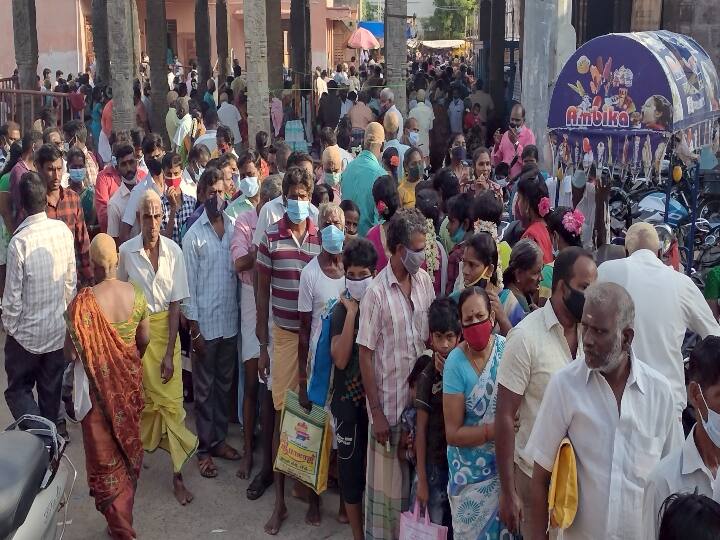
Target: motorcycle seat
column 23, row 463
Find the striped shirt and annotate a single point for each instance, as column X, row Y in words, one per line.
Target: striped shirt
column 395, row 328
column 282, row 257
column 211, row 279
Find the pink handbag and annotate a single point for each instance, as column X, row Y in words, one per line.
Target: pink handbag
column 412, row 527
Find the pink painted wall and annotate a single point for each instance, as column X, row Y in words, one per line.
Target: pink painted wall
column 61, row 37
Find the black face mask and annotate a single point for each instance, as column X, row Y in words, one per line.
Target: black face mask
column 575, row 302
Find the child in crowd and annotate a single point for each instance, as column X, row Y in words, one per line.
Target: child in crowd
column 352, row 217
column 461, row 226
column 406, row 448
column 430, row 488
column 348, row 399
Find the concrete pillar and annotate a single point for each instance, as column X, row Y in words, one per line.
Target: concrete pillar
column 121, row 60
column 396, row 50
column 497, row 56
column 256, row 67
column 646, row 15
column 549, row 42
column 275, row 43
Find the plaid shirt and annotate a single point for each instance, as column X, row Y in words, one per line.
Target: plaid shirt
column 181, row 215
column 69, row 210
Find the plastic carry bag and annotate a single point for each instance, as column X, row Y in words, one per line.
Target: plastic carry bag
column 319, row 383
column 305, row 444
column 412, row 527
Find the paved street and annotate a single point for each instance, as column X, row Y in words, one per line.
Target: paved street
column 220, row 509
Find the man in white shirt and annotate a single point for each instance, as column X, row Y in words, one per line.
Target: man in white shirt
column 619, row 416
column 387, row 104
column 425, row 117
column 40, row 283
column 209, row 138
column 155, row 180
column 667, row 303
column 541, row 344
column 119, row 200
column 229, row 116
column 692, row 467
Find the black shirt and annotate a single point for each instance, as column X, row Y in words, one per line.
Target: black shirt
column 348, row 391
column 429, row 398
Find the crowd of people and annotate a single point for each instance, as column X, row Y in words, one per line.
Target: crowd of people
column 463, row 355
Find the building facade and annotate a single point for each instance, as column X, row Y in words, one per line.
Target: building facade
column 64, row 29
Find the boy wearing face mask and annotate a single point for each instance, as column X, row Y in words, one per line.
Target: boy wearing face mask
column 693, row 467
column 348, row 400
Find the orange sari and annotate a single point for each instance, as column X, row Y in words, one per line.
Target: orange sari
column 111, row 430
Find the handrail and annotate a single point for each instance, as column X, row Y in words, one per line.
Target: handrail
column 40, row 93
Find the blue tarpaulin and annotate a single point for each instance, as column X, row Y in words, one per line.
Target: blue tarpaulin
column 376, row 28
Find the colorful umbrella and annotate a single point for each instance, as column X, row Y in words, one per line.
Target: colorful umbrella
column 362, row 39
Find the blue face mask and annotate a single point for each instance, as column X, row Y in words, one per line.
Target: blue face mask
column 458, row 235
column 332, row 239
column 332, row 178
column 413, row 138
column 298, row 211
column 77, row 175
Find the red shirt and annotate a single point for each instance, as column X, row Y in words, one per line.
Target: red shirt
column 538, row 232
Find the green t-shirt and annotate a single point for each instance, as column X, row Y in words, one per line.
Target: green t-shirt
column 5, row 182
column 712, row 284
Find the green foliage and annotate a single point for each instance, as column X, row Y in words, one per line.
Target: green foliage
column 450, row 18
column 373, row 10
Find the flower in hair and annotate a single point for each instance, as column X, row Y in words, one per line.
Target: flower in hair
column 544, row 207
column 573, row 222
column 395, row 161
column 381, row 207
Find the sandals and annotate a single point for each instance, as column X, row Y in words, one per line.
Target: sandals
column 207, row 467
column 258, row 486
column 225, row 451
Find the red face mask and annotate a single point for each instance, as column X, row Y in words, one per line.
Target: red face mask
column 478, row 334
column 173, row 182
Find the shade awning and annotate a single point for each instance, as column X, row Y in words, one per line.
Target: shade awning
column 443, row 43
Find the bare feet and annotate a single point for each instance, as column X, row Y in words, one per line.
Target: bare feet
column 312, row 517
column 342, row 516
column 245, row 466
column 278, row 516
column 182, row 494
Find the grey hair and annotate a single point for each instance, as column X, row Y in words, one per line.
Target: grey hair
column 150, row 195
column 328, row 210
column 388, row 94
column 612, row 294
column 271, row 187
column 405, row 223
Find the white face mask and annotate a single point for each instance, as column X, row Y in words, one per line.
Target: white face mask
column 358, row 288
column 712, row 424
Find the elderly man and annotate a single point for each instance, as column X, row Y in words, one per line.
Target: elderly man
column 423, row 113
column 667, row 303
column 543, row 342
column 212, row 313
column 39, row 286
column 509, row 145
column 244, row 254
column 387, row 104
column 391, row 337
column 359, row 176
column 618, row 414
column 156, row 265
column 286, row 247
column 391, row 125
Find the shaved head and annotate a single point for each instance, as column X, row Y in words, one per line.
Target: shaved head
column 642, row 235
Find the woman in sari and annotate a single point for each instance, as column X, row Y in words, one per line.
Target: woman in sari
column 565, row 226
column 469, row 399
column 387, row 201
column 108, row 333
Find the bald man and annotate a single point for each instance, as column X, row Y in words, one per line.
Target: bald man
column 156, row 265
column 509, row 145
column 667, row 303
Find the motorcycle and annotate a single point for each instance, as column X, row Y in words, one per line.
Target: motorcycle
column 36, row 480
